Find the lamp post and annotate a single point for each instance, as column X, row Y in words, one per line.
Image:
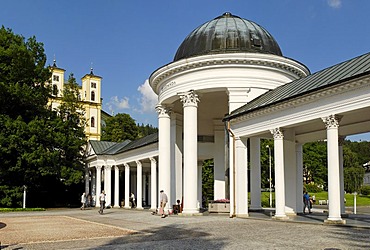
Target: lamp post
column 270, row 174
column 24, row 196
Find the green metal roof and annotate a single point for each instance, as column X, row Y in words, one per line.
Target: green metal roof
column 112, row 148
column 328, row 77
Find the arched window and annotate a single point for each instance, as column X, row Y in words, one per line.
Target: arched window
column 92, row 96
column 92, row 122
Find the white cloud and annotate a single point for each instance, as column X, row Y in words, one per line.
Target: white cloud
column 148, row 99
column 335, row 3
column 115, row 104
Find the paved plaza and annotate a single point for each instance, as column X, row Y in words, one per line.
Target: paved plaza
column 138, row 229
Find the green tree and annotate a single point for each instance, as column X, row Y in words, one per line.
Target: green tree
column 119, row 128
column 315, row 163
column 71, row 138
column 145, row 130
column 207, row 181
column 34, row 140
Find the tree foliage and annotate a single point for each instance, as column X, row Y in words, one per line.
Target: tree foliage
column 119, row 128
column 36, row 146
column 145, row 130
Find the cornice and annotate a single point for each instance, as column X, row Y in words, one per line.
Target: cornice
column 246, row 60
column 305, row 99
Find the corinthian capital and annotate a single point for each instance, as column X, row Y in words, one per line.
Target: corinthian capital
column 277, row 133
column 163, row 110
column 332, row 121
column 189, row 98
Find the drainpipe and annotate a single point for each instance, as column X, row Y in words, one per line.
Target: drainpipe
column 234, row 173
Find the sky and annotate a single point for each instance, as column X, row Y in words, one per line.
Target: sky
column 125, row 41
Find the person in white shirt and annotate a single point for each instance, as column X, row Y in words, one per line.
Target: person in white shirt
column 102, row 201
column 83, row 201
column 163, row 199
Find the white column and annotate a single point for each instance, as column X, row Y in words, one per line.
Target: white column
column 341, row 174
column 153, row 182
column 127, row 185
column 190, row 103
column 93, row 186
column 116, row 186
column 98, row 185
column 164, row 148
column 87, row 180
column 332, row 124
column 219, row 160
column 299, row 187
column 279, row 173
column 176, row 157
column 200, row 196
column 241, row 177
column 255, row 154
column 290, row 172
column 107, row 184
column 139, row 185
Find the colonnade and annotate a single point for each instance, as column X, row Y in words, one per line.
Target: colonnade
column 138, row 186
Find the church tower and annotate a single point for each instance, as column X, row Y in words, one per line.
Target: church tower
column 92, row 102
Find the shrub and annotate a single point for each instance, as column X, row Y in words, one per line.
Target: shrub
column 312, row 188
column 365, row 190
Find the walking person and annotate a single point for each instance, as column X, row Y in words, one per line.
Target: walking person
column 132, row 199
column 163, row 201
column 83, row 201
column 102, row 201
column 307, row 203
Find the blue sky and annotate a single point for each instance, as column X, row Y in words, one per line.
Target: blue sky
column 125, row 41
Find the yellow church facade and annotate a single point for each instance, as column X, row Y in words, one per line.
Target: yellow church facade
column 89, row 96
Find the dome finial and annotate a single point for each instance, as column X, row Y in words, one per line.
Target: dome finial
column 227, row 14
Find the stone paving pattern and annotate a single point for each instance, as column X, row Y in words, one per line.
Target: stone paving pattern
column 138, row 229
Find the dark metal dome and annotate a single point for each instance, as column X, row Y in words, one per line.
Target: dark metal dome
column 227, row 34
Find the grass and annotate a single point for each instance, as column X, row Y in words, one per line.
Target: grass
column 361, row 200
column 5, row 210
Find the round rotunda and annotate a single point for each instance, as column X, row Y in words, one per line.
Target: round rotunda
column 220, row 66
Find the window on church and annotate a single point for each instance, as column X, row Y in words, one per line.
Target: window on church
column 92, row 122
column 55, row 90
column 56, row 78
column 93, row 85
column 92, row 96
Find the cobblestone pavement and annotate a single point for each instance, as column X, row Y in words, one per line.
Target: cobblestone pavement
column 138, row 229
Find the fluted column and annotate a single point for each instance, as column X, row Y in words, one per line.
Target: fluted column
column 153, row 183
column 127, row 185
column 139, row 185
column 279, row 173
column 164, row 148
column 190, row 104
column 98, row 185
column 255, row 154
column 116, row 186
column 332, row 124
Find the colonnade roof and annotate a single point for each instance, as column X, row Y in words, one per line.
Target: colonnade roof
column 112, row 148
column 345, row 71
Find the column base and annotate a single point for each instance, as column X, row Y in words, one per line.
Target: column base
column 338, row 221
column 280, row 217
column 242, row 215
column 189, row 211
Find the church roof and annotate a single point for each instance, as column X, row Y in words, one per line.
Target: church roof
column 331, row 76
column 227, row 34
